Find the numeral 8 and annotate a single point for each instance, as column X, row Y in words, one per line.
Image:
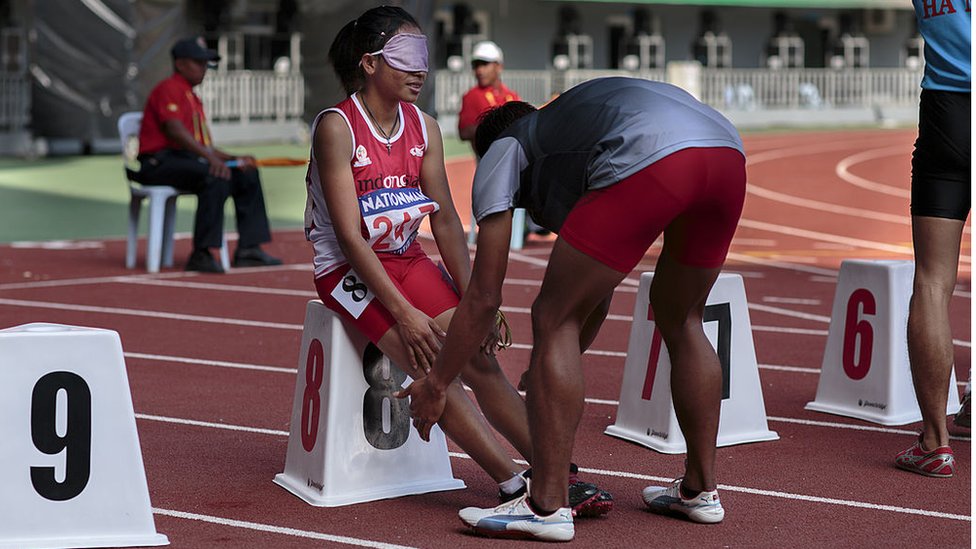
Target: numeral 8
column 311, row 403
column 384, row 379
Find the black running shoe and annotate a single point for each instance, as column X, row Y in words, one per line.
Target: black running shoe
column 592, row 507
column 585, row 499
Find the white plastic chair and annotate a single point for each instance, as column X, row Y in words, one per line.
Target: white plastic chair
column 162, row 206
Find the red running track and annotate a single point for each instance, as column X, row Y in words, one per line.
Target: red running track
column 211, row 364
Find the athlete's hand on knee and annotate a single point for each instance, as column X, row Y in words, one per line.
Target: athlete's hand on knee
column 426, row 404
column 423, row 337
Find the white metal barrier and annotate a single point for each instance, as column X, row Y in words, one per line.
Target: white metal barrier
column 245, row 96
column 809, row 88
column 721, row 88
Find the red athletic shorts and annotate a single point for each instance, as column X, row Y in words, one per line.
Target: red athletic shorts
column 694, row 196
column 424, row 285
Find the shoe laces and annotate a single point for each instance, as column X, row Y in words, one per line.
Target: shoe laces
column 509, row 507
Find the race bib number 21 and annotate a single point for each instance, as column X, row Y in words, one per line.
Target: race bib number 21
column 352, row 294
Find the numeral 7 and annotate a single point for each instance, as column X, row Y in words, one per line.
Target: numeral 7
column 719, row 312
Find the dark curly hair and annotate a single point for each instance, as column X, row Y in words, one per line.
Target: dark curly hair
column 367, row 33
column 494, row 121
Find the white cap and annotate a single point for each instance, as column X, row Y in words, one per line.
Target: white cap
column 487, row 51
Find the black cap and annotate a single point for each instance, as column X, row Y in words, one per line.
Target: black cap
column 193, row 48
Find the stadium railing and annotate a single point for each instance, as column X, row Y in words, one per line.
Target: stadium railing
column 243, row 104
column 724, row 89
column 245, row 96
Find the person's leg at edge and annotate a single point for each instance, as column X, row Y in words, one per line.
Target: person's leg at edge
column 594, row 321
column 936, row 241
column 499, row 401
column 573, row 286
column 678, row 294
column 461, row 420
column 591, row 327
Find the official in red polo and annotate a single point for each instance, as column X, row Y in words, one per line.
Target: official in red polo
column 175, row 149
column 486, row 62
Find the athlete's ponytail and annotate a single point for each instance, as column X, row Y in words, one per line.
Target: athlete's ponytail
column 366, row 34
column 494, row 121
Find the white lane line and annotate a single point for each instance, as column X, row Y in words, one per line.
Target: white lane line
column 149, row 314
column 842, row 170
column 285, row 291
column 545, row 263
column 903, row 219
column 626, row 474
column 789, row 313
column 161, row 280
column 81, row 281
column 794, row 331
column 212, row 425
column 791, row 300
column 795, row 369
column 827, row 237
column 745, row 258
column 766, row 242
column 755, row 306
column 607, row 402
column 834, row 425
column 792, row 496
column 802, row 150
column 293, row 371
column 847, row 503
column 145, row 276
column 247, row 525
column 285, row 326
column 205, row 362
column 220, row 287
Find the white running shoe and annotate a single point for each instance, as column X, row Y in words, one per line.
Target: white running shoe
column 705, row 507
column 515, row 519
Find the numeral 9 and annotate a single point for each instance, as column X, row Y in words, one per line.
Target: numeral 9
column 76, row 441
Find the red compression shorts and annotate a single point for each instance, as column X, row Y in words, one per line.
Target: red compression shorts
column 694, row 196
column 424, row 285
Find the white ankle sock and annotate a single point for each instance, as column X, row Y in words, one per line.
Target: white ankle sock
column 512, row 485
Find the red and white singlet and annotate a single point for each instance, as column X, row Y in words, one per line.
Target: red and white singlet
column 387, row 184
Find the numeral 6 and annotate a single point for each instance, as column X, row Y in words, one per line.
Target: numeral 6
column 858, row 334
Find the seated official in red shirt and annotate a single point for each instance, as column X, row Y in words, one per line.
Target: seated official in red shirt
column 175, row 149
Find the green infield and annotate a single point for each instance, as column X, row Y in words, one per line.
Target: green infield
column 82, row 197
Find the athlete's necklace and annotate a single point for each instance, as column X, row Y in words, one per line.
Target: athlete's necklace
column 376, row 124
